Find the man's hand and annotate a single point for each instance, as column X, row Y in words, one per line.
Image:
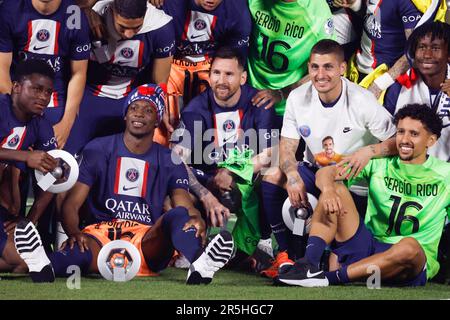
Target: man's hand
column 332, row 203
column 297, row 192
column 199, row 224
column 356, row 162
column 223, row 180
column 41, row 161
column 166, row 121
column 266, row 96
column 445, row 87
column 10, row 225
column 96, row 24
column 157, row 3
column 80, row 238
column 215, row 211
column 62, row 131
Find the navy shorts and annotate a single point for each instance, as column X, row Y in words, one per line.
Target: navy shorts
column 363, row 245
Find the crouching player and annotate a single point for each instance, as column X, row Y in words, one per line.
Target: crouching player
column 124, row 179
column 409, row 198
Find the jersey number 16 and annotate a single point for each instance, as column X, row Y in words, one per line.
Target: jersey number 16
column 397, row 223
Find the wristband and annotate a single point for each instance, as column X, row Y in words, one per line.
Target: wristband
column 385, row 81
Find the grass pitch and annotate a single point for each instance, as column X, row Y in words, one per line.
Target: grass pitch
column 226, row 285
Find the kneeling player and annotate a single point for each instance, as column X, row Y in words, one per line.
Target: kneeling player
column 409, row 198
column 125, row 178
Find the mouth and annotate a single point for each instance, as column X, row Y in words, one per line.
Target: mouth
column 405, row 148
column 427, row 64
column 137, row 124
column 40, row 106
column 222, row 89
column 321, row 81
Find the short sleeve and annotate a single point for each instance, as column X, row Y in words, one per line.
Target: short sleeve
column 164, row 40
column 178, row 176
column 92, row 161
column 289, row 129
column 81, row 45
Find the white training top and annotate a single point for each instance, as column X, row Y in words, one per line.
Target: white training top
column 356, row 120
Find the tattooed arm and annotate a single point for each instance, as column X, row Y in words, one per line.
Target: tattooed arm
column 216, row 212
column 358, row 160
column 400, row 67
column 288, row 164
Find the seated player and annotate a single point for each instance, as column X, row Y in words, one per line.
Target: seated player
column 21, row 127
column 328, row 105
column 233, row 130
column 409, row 200
column 124, row 179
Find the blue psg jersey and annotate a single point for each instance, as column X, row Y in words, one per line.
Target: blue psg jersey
column 57, row 38
column 18, row 135
column 210, row 130
column 199, row 32
column 129, row 186
column 383, row 39
column 126, row 63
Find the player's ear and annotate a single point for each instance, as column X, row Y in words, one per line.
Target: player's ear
column 243, row 77
column 431, row 140
column 343, row 67
column 16, row 87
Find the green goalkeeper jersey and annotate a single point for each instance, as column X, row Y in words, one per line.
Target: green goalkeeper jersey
column 282, row 36
column 407, row 200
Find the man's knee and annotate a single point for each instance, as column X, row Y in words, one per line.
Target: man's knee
column 409, row 252
column 176, row 214
column 341, row 189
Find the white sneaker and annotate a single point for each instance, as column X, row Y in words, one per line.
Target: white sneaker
column 216, row 255
column 29, row 247
column 266, row 246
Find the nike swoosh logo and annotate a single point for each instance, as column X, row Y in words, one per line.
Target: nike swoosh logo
column 346, row 130
column 121, row 62
column 39, row 48
column 229, row 138
column 310, row 275
column 197, row 36
column 127, row 189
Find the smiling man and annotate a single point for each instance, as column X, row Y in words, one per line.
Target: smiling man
column 327, row 105
column 125, row 179
column 424, row 83
column 219, row 123
column 409, row 200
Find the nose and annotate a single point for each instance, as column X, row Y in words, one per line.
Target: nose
column 320, row 72
column 427, row 53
